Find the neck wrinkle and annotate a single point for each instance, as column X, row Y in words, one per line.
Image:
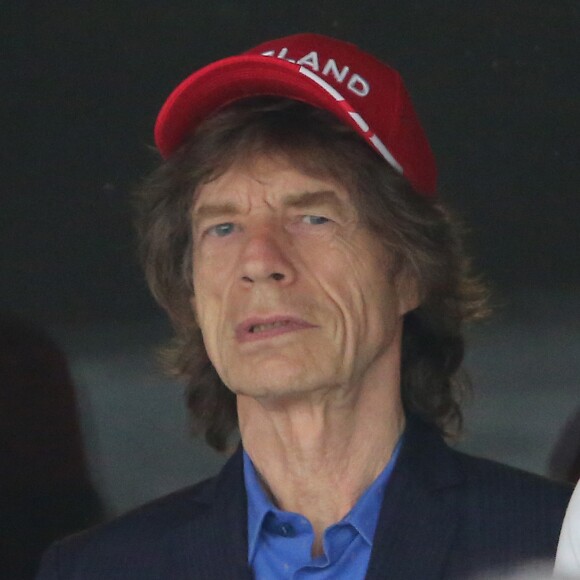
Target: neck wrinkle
column 297, row 470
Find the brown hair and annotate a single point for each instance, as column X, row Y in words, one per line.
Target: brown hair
column 418, row 232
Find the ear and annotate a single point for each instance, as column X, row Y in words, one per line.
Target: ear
column 407, row 291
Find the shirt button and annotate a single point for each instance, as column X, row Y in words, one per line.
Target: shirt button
column 286, row 530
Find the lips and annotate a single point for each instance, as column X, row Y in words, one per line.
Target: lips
column 257, row 328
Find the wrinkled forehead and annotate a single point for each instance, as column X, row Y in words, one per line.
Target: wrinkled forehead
column 276, row 177
column 311, row 162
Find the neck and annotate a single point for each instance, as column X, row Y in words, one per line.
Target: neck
column 302, row 450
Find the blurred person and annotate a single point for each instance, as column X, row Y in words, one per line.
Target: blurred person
column 318, row 289
column 45, row 491
column 568, row 555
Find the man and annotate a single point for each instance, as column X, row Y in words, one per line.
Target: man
column 318, row 291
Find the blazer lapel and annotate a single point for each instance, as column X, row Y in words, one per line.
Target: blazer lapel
column 419, row 515
column 215, row 543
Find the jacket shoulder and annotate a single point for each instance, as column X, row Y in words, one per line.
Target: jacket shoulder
column 137, row 541
column 515, row 510
column 498, row 516
column 504, row 480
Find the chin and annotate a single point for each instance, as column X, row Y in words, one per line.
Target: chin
column 272, row 384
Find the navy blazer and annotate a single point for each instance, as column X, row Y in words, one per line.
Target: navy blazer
column 445, row 516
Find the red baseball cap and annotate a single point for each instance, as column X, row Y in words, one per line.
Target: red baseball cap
column 324, row 72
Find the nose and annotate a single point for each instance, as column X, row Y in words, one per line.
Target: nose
column 266, row 258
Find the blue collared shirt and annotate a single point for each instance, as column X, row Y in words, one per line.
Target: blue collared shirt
column 280, row 543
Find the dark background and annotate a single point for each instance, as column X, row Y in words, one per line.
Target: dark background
column 496, row 83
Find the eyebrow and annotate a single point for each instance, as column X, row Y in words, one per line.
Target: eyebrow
column 211, row 210
column 302, row 200
column 309, row 199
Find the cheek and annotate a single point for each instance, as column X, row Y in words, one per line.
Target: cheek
column 213, row 298
column 364, row 294
column 350, row 275
column 209, row 323
column 206, row 305
column 208, row 278
column 343, row 297
column 208, row 308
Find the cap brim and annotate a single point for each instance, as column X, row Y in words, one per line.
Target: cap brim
column 232, row 79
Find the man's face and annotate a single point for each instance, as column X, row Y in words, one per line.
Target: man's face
column 292, row 293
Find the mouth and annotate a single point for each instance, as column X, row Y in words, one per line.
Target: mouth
column 258, row 329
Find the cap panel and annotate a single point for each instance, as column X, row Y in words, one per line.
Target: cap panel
column 233, row 79
column 360, row 90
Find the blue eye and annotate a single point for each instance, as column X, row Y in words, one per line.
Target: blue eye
column 221, row 230
column 315, row 220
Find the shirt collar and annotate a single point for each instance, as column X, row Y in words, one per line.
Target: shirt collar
column 259, row 505
column 363, row 516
